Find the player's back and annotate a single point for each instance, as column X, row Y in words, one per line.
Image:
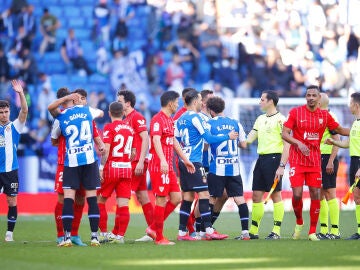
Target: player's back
column 76, row 126
column 225, row 158
column 189, row 130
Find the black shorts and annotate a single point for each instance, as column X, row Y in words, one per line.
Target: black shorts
column 232, row 184
column 354, row 166
column 264, row 172
column 328, row 180
column 10, row 182
column 193, row 181
column 86, row 176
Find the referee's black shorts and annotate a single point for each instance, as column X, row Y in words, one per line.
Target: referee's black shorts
column 354, row 166
column 264, row 172
column 328, row 180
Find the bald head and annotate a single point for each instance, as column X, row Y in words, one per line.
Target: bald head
column 324, row 101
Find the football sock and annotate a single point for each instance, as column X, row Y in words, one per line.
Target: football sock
column 93, row 213
column 148, row 211
column 244, row 216
column 357, row 213
column 198, row 226
column 12, row 216
column 115, row 230
column 256, row 216
column 58, row 220
column 278, row 216
column 298, row 206
column 205, row 212
column 159, row 221
column 169, row 208
column 191, row 222
column 124, row 218
column 67, row 215
column 314, row 215
column 334, row 213
column 78, row 211
column 214, row 217
column 324, row 216
column 103, row 217
column 185, row 210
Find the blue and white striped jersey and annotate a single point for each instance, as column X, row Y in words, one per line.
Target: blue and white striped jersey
column 225, row 158
column 206, row 153
column 76, row 126
column 9, row 141
column 191, row 131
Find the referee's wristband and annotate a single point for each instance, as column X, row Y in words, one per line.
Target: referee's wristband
column 101, row 167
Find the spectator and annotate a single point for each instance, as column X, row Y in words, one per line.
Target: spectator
column 48, row 26
column 28, row 69
column 103, row 104
column 101, row 27
column 72, row 53
column 45, row 97
column 117, row 66
column 29, row 22
column 4, row 74
column 15, row 62
column 22, row 40
column 175, row 75
column 36, row 136
column 226, row 71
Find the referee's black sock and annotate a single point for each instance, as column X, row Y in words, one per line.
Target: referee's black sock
column 93, row 213
column 12, row 216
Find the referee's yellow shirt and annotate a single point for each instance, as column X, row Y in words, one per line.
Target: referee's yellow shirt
column 354, row 143
column 326, row 148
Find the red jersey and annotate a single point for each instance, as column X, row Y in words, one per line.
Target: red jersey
column 119, row 135
column 137, row 121
column 179, row 113
column 308, row 127
column 163, row 126
column 62, row 145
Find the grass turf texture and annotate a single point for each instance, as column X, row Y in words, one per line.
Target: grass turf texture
column 35, row 248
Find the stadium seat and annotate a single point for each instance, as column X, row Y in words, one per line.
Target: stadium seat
column 72, row 12
column 76, row 22
column 87, row 11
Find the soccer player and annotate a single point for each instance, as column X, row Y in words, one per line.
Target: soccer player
column 183, row 108
column 139, row 162
column 191, row 132
column 273, row 155
column 224, row 171
column 163, row 178
column 58, row 140
column 353, row 143
column 10, row 135
column 116, row 171
column 307, row 124
column 329, row 205
column 80, row 166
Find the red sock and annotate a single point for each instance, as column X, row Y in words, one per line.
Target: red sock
column 78, row 211
column 115, row 230
column 58, row 220
column 191, row 222
column 298, row 206
column 123, row 215
column 314, row 215
column 159, row 221
column 103, row 217
column 148, row 211
column 169, row 208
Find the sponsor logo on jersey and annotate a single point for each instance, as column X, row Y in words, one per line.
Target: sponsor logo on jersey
column 311, row 136
column 81, row 149
column 224, row 161
column 2, row 141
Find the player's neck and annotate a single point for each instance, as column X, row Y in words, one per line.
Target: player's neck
column 128, row 111
column 271, row 112
column 167, row 111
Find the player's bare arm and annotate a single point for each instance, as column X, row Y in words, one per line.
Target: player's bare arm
column 139, row 169
column 24, row 107
column 189, row 165
column 103, row 160
column 100, row 144
column 334, row 151
column 286, row 135
column 283, row 160
column 339, row 143
column 164, row 166
column 233, row 135
column 53, row 107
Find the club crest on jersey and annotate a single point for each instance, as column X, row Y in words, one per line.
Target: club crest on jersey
column 321, row 121
column 161, row 189
column 8, row 129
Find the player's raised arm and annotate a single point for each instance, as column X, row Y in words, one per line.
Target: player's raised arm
column 24, row 107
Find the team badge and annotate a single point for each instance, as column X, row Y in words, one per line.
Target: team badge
column 156, row 127
column 321, row 121
column 161, row 189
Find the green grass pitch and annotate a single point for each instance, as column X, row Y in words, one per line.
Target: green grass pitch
column 35, row 248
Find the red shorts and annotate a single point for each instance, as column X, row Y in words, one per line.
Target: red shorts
column 138, row 182
column 59, row 182
column 163, row 184
column 121, row 186
column 310, row 176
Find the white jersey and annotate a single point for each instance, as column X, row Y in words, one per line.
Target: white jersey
column 9, row 141
column 76, row 126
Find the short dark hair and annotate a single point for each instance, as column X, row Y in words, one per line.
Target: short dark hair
column 4, row 104
column 191, row 96
column 356, row 97
column 116, row 109
column 216, row 104
column 204, row 93
column 185, row 91
column 62, row 92
column 128, row 96
column 168, row 97
column 272, row 95
column 313, row 86
column 81, row 92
